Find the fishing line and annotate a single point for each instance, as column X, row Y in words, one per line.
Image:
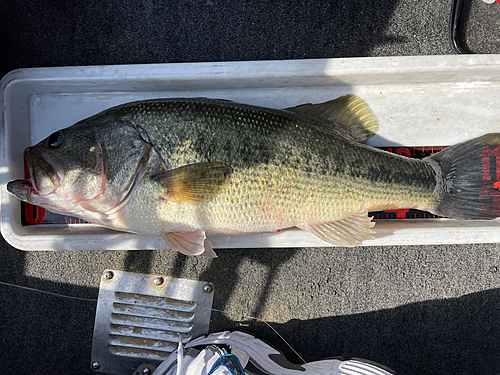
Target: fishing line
column 44, row 291
column 216, row 310
column 266, row 323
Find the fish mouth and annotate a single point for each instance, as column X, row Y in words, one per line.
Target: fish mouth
column 45, row 172
column 22, row 189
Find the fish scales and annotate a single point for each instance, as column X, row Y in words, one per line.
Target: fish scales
column 285, row 171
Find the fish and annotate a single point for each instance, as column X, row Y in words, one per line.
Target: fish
column 185, row 168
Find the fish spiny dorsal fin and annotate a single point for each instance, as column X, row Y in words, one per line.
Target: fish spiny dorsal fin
column 350, row 231
column 349, row 115
column 194, row 183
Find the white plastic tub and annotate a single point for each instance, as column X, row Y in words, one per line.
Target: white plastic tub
column 419, row 101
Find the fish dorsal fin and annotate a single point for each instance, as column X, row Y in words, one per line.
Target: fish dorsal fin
column 348, row 114
column 189, row 243
column 193, row 183
column 350, row 231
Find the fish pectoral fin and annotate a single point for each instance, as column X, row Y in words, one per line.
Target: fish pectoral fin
column 349, row 115
column 350, row 231
column 189, row 243
column 193, row 183
column 209, row 252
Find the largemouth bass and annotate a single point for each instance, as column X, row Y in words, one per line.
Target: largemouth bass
column 184, row 168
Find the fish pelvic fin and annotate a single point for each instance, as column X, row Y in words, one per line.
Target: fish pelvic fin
column 190, row 243
column 193, row 183
column 349, row 115
column 349, row 231
column 468, row 179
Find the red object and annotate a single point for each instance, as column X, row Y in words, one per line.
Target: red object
column 400, row 214
column 490, row 155
column 32, row 214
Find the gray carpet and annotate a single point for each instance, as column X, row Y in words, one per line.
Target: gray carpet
column 416, row 309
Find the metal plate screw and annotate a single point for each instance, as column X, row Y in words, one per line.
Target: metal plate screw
column 96, row 365
column 108, row 275
column 208, row 288
column 493, row 269
column 158, row 280
column 146, row 371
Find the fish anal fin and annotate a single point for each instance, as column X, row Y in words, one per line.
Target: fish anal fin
column 193, row 183
column 189, row 243
column 349, row 231
column 349, row 115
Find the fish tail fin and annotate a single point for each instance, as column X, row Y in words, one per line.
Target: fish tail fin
column 469, row 179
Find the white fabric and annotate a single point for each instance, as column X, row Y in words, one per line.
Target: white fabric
column 180, row 357
column 202, row 364
column 245, row 346
column 241, row 354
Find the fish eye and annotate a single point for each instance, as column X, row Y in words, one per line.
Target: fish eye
column 56, row 139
